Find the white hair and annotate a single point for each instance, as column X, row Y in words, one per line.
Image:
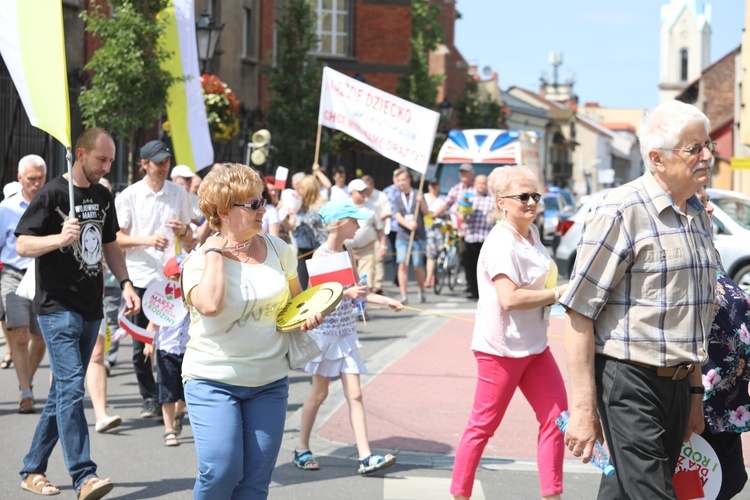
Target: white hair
column 662, row 127
column 31, row 161
column 500, row 179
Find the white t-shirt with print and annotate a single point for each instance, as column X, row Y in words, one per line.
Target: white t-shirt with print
column 517, row 333
column 240, row 346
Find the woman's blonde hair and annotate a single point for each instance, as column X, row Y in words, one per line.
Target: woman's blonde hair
column 309, row 190
column 223, row 187
column 499, row 181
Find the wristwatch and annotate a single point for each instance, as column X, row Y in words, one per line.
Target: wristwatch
column 697, row 390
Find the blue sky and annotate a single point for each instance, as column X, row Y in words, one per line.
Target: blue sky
column 612, row 48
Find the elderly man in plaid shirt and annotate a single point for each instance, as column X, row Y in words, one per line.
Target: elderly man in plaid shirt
column 639, row 308
column 477, row 226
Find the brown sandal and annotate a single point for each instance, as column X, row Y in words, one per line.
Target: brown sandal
column 94, row 488
column 38, row 483
column 26, row 405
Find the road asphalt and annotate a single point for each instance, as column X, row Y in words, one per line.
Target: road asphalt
column 417, row 394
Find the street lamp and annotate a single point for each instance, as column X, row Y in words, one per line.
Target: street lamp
column 445, row 109
column 207, row 32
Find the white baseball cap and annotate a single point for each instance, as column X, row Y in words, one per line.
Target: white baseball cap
column 357, row 185
column 181, row 171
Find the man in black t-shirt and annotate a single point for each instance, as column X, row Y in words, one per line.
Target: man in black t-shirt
column 69, row 248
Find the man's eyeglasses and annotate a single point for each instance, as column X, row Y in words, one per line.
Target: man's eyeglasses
column 697, row 149
column 252, row 206
column 524, row 197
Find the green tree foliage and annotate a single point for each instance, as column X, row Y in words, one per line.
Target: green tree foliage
column 474, row 112
column 128, row 87
column 418, row 86
column 295, row 87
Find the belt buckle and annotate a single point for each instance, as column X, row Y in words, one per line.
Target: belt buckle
column 686, row 366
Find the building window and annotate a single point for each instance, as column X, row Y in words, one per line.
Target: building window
column 683, row 65
column 332, row 26
column 248, row 35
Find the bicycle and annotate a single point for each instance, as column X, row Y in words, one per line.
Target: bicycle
column 447, row 263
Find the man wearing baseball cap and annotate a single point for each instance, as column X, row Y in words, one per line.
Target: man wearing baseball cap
column 364, row 244
column 154, row 216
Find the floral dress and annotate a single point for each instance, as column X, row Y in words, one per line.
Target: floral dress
column 727, row 371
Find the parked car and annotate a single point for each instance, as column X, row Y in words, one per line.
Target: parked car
column 555, row 210
column 732, row 233
column 731, row 227
column 570, row 233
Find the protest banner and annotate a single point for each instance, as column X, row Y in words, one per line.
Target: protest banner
column 162, row 303
column 396, row 128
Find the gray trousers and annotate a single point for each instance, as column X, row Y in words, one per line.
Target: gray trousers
column 644, row 419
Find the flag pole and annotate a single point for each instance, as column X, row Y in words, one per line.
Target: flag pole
column 317, row 144
column 71, row 197
column 416, row 214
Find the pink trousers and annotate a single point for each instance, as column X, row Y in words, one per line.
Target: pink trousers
column 540, row 381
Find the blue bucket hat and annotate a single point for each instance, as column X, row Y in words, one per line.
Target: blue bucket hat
column 338, row 210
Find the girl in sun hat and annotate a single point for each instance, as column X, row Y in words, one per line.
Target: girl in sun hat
column 337, row 338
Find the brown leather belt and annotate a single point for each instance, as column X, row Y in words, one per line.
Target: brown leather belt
column 677, row 372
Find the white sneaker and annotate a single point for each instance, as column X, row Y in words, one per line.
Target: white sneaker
column 107, row 424
column 403, row 299
column 421, row 298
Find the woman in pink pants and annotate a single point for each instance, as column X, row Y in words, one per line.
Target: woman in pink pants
column 517, row 285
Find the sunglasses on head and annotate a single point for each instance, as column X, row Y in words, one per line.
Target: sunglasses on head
column 252, row 206
column 524, row 197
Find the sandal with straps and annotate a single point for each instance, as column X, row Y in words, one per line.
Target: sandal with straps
column 305, row 460
column 374, row 463
column 7, row 362
column 94, row 488
column 40, row 485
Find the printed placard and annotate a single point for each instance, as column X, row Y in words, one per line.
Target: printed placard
column 162, row 303
column 697, row 455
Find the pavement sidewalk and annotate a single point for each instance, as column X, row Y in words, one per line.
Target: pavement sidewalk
column 419, row 404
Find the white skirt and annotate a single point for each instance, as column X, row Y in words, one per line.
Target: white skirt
column 340, row 355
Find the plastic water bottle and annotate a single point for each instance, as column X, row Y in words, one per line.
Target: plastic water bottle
column 599, row 456
column 360, row 304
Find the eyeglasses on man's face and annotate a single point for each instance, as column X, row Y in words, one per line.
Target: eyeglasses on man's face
column 697, row 149
column 252, row 206
column 524, row 197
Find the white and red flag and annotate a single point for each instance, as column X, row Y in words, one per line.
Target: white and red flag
column 336, row 267
column 133, row 330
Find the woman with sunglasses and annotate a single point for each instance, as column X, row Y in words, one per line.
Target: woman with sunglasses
column 235, row 366
column 517, row 282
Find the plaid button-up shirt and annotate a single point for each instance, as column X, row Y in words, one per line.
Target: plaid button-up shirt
column 646, row 274
column 480, row 222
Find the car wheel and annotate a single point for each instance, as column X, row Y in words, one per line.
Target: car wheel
column 742, row 278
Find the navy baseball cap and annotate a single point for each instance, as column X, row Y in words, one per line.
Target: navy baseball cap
column 155, row 151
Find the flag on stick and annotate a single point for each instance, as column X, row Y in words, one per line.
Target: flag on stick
column 186, row 111
column 336, row 267
column 32, row 44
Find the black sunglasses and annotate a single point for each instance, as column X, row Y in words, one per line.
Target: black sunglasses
column 252, row 206
column 524, row 197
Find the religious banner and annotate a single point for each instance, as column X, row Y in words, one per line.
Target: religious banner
column 396, row 128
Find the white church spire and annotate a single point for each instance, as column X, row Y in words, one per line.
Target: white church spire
column 685, row 42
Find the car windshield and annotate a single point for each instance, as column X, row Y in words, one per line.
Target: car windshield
column 551, row 203
column 737, row 208
column 448, row 173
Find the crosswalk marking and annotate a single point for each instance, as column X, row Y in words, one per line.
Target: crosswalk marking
column 396, row 487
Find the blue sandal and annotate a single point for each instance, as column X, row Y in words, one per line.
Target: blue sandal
column 305, row 460
column 374, row 463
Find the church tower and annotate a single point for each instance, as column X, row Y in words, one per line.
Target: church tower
column 685, row 43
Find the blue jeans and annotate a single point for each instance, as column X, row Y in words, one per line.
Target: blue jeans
column 70, row 340
column 237, row 432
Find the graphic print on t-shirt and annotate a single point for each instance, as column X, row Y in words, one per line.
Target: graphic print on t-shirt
column 88, row 249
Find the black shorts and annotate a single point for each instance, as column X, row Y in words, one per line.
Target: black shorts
column 169, row 376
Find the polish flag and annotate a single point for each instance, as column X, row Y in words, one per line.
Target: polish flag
column 281, row 175
column 134, row 331
column 336, row 267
